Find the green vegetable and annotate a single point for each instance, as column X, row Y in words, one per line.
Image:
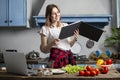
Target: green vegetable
column 73, row 68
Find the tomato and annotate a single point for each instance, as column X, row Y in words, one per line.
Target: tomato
column 92, row 73
column 104, row 70
column 81, row 73
column 97, row 71
column 87, row 73
column 109, row 61
column 89, row 68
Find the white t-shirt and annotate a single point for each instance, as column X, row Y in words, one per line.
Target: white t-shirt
column 53, row 33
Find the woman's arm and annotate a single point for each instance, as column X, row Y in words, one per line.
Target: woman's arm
column 45, row 47
column 76, row 34
column 72, row 42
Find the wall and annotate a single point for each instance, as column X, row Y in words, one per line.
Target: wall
column 79, row 7
column 26, row 40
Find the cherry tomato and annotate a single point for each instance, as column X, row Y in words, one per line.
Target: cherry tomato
column 89, row 68
column 92, row 73
column 104, row 69
column 81, row 73
column 97, row 71
column 87, row 73
column 109, row 61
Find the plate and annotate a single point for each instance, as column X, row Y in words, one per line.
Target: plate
column 57, row 71
column 109, row 66
column 106, row 65
column 76, row 48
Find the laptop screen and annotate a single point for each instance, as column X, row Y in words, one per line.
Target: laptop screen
column 15, row 62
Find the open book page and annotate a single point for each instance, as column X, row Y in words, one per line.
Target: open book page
column 68, row 30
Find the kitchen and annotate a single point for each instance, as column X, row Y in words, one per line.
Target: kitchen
column 28, row 39
column 18, row 37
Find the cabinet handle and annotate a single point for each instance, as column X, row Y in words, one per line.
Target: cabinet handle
column 5, row 21
column 10, row 21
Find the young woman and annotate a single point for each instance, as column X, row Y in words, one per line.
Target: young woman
column 59, row 50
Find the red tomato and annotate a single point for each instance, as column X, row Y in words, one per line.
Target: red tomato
column 104, row 69
column 81, row 73
column 97, row 71
column 87, row 73
column 92, row 73
column 89, row 68
column 109, row 61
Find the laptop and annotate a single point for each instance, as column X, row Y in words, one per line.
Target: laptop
column 15, row 63
column 89, row 31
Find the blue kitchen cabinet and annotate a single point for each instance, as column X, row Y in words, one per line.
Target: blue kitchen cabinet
column 13, row 13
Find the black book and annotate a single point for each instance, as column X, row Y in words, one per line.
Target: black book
column 86, row 30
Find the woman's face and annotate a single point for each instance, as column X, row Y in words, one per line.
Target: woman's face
column 55, row 16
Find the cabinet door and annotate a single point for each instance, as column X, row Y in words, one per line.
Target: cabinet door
column 3, row 13
column 17, row 13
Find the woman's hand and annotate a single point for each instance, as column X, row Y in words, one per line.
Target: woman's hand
column 76, row 34
column 56, row 41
